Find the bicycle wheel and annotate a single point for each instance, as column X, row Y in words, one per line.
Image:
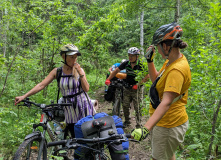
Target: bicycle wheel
column 117, row 107
column 30, row 148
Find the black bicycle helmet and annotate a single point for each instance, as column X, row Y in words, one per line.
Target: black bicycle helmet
column 170, row 31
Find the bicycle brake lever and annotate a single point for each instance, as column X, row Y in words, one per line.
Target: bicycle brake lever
column 70, row 145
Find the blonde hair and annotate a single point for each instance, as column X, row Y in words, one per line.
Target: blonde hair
column 75, row 74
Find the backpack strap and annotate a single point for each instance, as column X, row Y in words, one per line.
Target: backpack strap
column 58, row 77
column 179, row 97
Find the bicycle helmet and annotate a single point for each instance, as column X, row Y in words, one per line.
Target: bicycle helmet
column 70, row 49
column 134, row 50
column 123, row 60
column 170, row 31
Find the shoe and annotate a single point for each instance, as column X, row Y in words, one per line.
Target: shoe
column 126, row 124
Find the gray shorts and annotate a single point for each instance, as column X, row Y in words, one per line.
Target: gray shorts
column 164, row 141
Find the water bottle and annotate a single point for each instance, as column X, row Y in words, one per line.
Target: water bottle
column 58, row 131
column 106, row 88
column 113, row 68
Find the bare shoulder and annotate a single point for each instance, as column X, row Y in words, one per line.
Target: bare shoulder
column 53, row 72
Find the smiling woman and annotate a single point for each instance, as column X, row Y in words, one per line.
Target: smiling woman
column 72, row 84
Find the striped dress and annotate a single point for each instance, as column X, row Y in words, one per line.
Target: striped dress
column 82, row 105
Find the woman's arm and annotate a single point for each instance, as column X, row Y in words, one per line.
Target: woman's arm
column 161, row 110
column 152, row 72
column 51, row 76
column 85, row 85
column 84, row 82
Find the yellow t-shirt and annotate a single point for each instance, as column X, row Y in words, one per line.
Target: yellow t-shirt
column 176, row 78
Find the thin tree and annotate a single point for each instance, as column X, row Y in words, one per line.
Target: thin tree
column 177, row 13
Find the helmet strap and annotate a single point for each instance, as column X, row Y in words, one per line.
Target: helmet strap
column 65, row 62
column 171, row 46
column 163, row 51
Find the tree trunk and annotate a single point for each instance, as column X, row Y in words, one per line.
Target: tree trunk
column 177, row 14
column 5, row 36
column 215, row 115
column 141, row 32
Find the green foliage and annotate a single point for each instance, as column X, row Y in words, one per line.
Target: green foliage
column 16, row 122
column 34, row 30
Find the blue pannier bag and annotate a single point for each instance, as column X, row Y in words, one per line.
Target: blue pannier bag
column 83, row 129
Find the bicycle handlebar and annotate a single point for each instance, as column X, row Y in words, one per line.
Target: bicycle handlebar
column 75, row 142
column 44, row 106
column 120, row 83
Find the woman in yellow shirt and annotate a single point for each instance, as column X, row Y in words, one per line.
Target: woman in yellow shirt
column 168, row 120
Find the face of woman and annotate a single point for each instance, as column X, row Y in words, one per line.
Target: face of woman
column 160, row 51
column 132, row 57
column 71, row 60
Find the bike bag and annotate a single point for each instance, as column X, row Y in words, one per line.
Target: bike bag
column 109, row 94
column 83, row 129
column 90, row 131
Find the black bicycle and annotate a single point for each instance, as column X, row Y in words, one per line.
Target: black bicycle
column 94, row 145
column 118, row 96
column 34, row 145
column 118, row 85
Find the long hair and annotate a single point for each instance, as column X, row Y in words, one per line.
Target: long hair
column 75, row 74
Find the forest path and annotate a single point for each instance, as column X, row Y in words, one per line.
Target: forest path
column 137, row 151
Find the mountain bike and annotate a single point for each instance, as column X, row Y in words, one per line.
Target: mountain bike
column 94, row 146
column 34, row 145
column 119, row 85
column 118, row 96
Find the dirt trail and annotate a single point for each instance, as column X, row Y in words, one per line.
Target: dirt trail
column 137, row 151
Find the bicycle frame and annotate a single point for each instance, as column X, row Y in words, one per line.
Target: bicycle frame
column 46, row 127
column 28, row 146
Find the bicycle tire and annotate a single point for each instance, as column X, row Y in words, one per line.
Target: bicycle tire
column 117, row 107
column 32, row 145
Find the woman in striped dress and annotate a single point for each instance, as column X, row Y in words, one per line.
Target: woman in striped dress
column 73, row 86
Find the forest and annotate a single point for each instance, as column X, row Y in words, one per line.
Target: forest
column 32, row 32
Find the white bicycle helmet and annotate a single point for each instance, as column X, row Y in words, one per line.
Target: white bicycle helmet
column 70, row 49
column 123, row 60
column 134, row 50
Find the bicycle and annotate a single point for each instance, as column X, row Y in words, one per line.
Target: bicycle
column 118, row 96
column 94, row 145
column 119, row 85
column 34, row 145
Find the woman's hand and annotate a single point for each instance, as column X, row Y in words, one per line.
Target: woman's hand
column 19, row 99
column 78, row 68
column 150, row 53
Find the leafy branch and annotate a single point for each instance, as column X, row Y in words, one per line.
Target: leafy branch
column 17, row 49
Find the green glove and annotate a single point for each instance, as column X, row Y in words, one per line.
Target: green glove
column 140, row 133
